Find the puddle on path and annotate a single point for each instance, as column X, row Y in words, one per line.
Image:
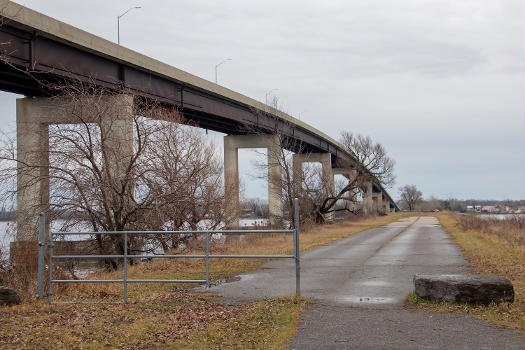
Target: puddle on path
column 376, row 283
column 225, row 280
column 367, row 300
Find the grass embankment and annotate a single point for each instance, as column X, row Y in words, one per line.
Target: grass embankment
column 169, row 315
column 493, row 248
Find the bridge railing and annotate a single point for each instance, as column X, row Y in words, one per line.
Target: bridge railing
column 126, row 234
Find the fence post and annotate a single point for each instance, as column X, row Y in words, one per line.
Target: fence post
column 41, row 253
column 296, row 249
column 207, row 260
column 125, row 267
column 50, row 286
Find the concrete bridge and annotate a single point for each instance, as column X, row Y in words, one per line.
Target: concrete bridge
column 54, row 51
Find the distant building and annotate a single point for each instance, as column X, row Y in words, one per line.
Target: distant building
column 503, row 209
column 489, row 209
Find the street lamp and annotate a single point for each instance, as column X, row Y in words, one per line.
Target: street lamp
column 268, row 94
column 217, row 65
column 118, row 21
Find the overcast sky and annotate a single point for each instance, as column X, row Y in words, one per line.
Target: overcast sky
column 439, row 83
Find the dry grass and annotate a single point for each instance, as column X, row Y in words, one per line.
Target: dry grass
column 494, row 253
column 511, row 228
column 163, row 316
column 161, row 320
column 20, row 273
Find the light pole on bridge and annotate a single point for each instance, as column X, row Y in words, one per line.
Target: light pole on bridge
column 118, row 21
column 268, row 94
column 217, row 66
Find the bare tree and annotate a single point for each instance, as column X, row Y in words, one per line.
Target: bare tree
column 371, row 155
column 257, row 207
column 431, row 204
column 410, row 196
column 163, row 175
column 344, row 199
column 375, row 165
column 317, row 201
column 309, row 184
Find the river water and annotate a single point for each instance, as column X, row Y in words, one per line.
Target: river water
column 8, row 232
column 499, row 216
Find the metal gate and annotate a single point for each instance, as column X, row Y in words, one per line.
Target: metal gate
column 42, row 243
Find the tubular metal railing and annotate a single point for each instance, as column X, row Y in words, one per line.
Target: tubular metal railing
column 207, row 256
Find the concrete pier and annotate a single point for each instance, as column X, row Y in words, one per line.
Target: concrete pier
column 327, row 174
column 232, row 143
column 367, row 198
column 377, row 202
column 386, row 204
column 32, row 167
column 33, row 117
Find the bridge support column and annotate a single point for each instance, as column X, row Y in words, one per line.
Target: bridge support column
column 232, row 143
column 327, row 174
column 377, row 202
column 117, row 136
column 33, row 117
column 32, row 142
column 386, row 204
column 367, row 198
column 351, row 175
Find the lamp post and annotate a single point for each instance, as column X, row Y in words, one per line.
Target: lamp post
column 217, row 65
column 118, row 21
column 268, row 94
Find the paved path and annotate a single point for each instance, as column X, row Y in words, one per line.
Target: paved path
column 359, row 285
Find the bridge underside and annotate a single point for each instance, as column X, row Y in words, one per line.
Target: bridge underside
column 36, row 66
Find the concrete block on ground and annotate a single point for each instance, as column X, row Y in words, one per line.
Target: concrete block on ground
column 475, row 289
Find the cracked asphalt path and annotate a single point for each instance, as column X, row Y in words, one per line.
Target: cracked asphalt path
column 359, row 285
